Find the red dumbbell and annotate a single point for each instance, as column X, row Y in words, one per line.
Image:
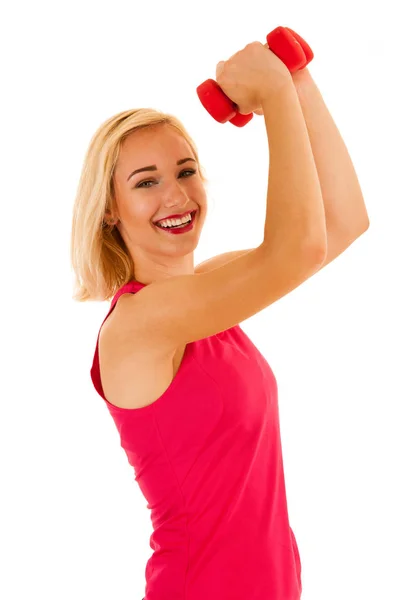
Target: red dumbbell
column 282, row 41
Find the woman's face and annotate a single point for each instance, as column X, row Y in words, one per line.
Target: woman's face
column 148, row 196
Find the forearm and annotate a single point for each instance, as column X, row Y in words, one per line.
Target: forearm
column 344, row 206
column 295, row 212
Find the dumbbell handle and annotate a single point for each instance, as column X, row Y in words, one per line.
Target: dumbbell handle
column 287, row 45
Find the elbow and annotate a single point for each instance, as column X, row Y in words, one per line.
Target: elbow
column 317, row 251
column 320, row 255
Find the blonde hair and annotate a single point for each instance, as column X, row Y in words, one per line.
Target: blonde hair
column 99, row 256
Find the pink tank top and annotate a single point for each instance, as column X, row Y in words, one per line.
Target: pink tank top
column 207, row 457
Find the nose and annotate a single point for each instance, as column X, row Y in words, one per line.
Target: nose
column 177, row 199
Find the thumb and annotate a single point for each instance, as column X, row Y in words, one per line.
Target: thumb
column 219, row 68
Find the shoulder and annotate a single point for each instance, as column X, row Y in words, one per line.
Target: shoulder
column 112, row 325
column 126, row 335
column 129, row 361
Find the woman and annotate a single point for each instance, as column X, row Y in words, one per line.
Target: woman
column 193, row 399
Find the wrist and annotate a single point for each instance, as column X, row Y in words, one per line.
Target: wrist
column 301, row 77
column 272, row 97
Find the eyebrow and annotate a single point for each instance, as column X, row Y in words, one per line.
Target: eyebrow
column 154, row 167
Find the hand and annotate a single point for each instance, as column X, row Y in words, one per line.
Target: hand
column 252, row 76
column 299, row 78
column 259, row 111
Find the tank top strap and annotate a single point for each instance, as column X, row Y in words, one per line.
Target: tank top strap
column 131, row 287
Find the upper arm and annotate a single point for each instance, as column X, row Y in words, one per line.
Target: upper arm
column 187, row 308
column 219, row 260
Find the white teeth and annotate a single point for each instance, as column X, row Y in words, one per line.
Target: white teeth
column 169, row 222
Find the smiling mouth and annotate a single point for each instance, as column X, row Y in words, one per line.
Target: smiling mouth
column 193, row 215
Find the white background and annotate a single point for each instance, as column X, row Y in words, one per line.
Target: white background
column 73, row 522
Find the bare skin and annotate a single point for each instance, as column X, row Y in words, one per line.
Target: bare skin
column 170, row 189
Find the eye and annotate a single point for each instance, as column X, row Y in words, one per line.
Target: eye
column 141, row 184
